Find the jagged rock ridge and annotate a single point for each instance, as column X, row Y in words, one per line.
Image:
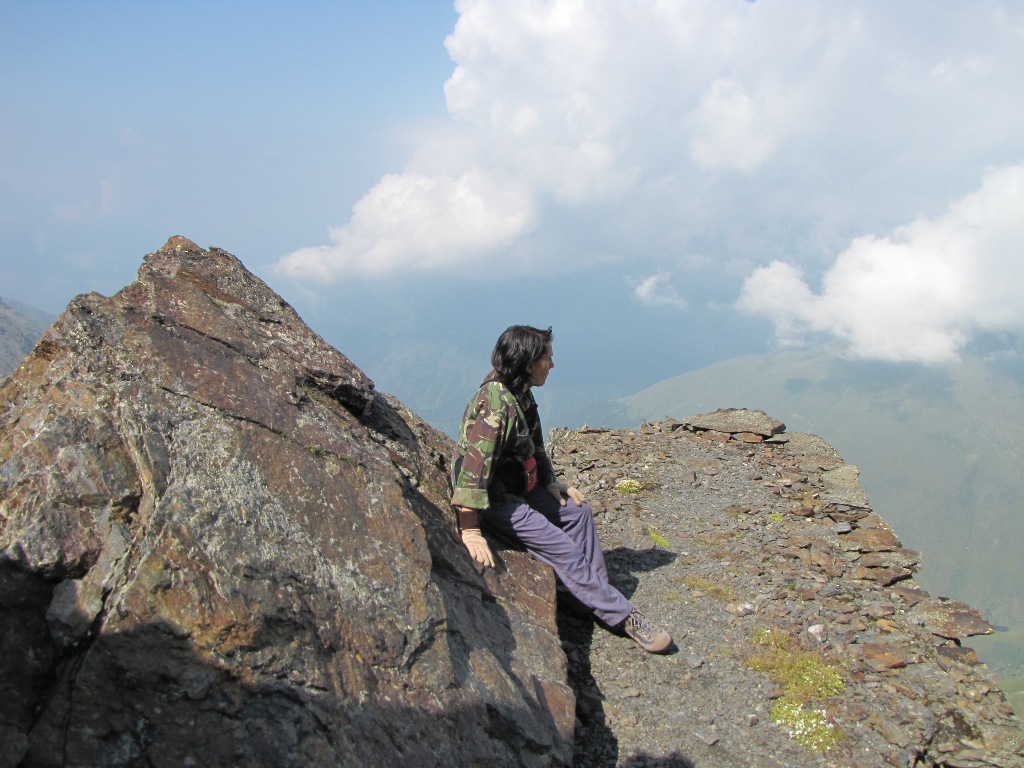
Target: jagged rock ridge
column 220, row 545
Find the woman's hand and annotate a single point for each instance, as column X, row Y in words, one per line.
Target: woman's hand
column 477, row 546
column 559, row 489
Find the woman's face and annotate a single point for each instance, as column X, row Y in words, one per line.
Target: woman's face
column 540, row 368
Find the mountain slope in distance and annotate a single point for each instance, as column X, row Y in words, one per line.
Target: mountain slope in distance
column 939, row 450
column 21, row 326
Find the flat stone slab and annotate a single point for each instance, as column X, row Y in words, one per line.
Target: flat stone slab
column 849, row 497
column 952, row 619
column 737, row 420
column 843, row 487
column 817, row 453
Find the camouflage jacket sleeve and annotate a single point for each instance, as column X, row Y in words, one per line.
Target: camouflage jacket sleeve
column 485, row 427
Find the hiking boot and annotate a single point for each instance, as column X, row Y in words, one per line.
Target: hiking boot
column 649, row 635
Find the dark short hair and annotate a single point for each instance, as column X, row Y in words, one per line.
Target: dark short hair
column 519, row 347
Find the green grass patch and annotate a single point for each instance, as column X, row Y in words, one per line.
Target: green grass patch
column 710, row 588
column 807, row 680
column 629, row 486
column 807, row 726
column 657, row 538
column 710, row 539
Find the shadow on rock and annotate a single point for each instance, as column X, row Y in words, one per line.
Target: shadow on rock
column 595, row 744
column 675, row 760
column 594, row 741
column 149, row 697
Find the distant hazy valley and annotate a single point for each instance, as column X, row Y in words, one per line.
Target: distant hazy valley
column 20, row 329
column 939, row 451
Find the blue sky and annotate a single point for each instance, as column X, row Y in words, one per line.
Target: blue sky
column 667, row 184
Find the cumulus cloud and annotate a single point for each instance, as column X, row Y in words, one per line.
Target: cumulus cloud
column 918, row 294
column 657, row 290
column 649, row 122
column 415, row 221
column 560, row 104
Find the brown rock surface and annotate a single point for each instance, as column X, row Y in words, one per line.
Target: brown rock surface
column 739, row 422
column 883, row 655
column 953, row 619
column 728, row 539
column 219, row 545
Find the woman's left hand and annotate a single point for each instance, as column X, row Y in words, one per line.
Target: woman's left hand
column 558, row 489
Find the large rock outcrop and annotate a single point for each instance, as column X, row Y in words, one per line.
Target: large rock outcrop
column 219, row 545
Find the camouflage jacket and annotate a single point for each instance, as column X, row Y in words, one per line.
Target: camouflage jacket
column 499, row 431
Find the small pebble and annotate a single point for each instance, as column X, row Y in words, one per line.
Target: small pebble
column 708, row 738
column 819, row 632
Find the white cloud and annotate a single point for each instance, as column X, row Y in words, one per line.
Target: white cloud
column 626, row 123
column 657, row 290
column 919, row 294
column 418, row 222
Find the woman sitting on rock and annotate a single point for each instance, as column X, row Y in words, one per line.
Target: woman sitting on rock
column 503, row 478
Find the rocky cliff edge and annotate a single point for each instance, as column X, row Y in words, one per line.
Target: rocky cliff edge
column 803, row 639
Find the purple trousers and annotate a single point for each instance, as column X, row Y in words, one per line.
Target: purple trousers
column 564, row 537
